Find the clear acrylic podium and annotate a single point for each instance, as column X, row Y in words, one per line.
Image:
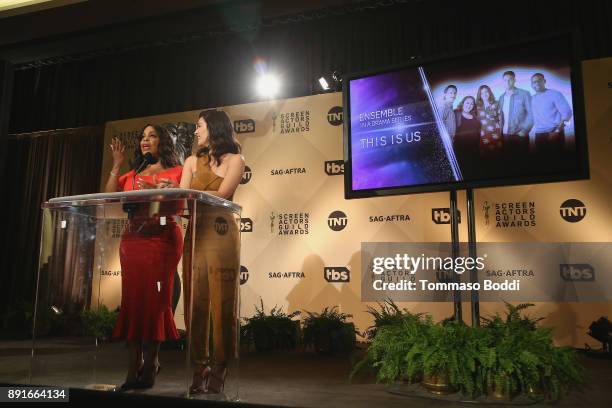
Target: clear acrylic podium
column 79, row 289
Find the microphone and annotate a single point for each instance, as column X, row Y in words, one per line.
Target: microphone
column 146, row 160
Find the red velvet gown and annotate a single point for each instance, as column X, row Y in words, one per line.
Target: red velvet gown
column 149, row 254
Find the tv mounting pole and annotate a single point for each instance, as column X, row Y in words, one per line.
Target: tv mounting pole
column 454, row 222
column 474, row 298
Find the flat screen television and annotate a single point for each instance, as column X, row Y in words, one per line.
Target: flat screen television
column 509, row 115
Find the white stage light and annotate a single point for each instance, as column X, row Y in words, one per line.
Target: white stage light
column 268, row 85
column 324, row 84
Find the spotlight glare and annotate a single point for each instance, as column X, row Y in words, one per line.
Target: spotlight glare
column 268, row 85
column 323, row 83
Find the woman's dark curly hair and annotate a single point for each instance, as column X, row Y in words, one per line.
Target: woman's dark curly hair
column 167, row 153
column 221, row 139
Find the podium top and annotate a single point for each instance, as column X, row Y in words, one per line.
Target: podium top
column 166, row 194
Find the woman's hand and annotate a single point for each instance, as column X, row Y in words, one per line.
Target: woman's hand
column 161, row 183
column 166, row 183
column 118, row 152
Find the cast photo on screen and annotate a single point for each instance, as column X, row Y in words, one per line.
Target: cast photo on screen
column 507, row 114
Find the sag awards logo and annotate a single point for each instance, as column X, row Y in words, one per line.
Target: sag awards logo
column 573, row 210
column 334, row 167
column 295, row 122
column 577, row 272
column 389, row 218
column 246, row 177
column 334, row 116
column 246, row 225
column 244, row 274
column 116, row 227
column 221, row 226
column 290, row 223
column 288, row 172
column 337, row 220
column 274, row 117
column 510, row 214
column 336, row 274
column 244, row 126
column 129, row 138
column 443, row 215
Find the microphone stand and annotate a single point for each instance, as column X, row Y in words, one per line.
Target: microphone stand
column 130, row 207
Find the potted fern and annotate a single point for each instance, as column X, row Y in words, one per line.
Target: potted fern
column 392, row 337
column 99, row 323
column 507, row 356
column 388, row 313
column 449, row 351
column 522, row 358
column 329, row 331
column 274, row 331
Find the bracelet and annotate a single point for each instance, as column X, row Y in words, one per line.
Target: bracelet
column 113, row 174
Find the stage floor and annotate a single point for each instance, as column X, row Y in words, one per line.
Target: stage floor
column 284, row 378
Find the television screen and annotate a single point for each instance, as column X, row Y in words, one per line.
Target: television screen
column 510, row 115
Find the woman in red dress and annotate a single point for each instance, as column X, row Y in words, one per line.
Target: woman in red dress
column 151, row 247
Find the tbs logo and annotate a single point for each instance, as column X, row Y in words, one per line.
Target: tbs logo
column 246, row 177
column 246, row 225
column 443, row 215
column 338, row 274
column 573, row 210
column 244, row 126
column 244, row 275
column 577, row 272
column 334, row 167
column 337, row 220
column 334, row 116
column 221, row 226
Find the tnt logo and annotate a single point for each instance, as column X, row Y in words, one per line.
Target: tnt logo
column 573, row 210
column 244, row 275
column 246, row 177
column 337, row 220
column 221, row 226
column 246, row 225
column 244, row 126
column 443, row 215
column 336, row 274
column 334, row 116
column 577, row 272
column 334, row 167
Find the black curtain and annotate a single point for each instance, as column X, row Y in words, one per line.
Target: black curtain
column 40, row 166
column 218, row 70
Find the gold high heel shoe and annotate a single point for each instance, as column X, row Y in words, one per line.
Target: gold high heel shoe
column 200, row 379
column 216, row 380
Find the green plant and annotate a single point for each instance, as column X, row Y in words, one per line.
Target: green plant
column 276, row 331
column 393, row 340
column 388, row 313
column 514, row 319
column 451, row 349
column 99, row 323
column 522, row 356
column 329, row 331
column 510, row 354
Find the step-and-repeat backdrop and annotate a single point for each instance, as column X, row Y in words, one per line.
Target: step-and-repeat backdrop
column 301, row 240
